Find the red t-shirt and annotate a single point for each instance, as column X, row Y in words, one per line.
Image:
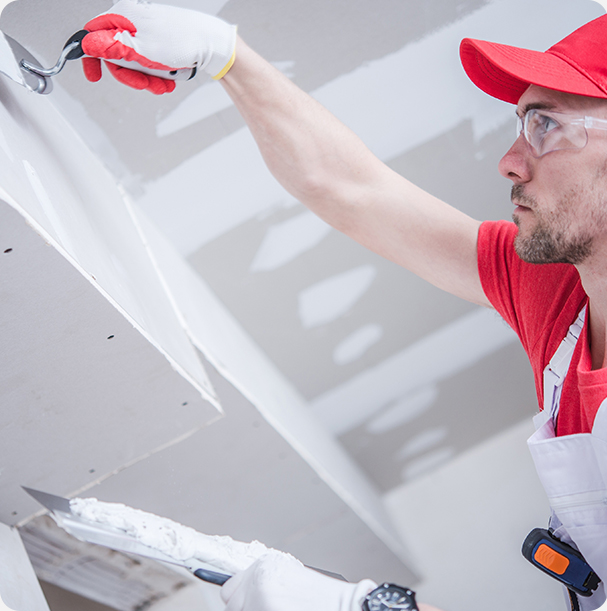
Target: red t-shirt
column 540, row 302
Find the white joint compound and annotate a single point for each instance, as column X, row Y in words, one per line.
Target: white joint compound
column 178, row 541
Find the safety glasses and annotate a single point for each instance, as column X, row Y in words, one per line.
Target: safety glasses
column 548, row 131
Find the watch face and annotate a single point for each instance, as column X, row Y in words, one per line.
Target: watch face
column 389, row 596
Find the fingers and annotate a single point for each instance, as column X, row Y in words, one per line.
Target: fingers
column 131, row 78
column 139, row 80
column 111, row 37
column 116, row 44
column 103, row 44
column 110, row 21
column 92, row 68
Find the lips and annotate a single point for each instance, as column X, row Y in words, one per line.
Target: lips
column 518, row 202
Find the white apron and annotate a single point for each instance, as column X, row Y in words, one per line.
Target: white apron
column 573, row 471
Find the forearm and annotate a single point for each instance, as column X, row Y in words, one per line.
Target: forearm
column 330, row 170
column 310, row 152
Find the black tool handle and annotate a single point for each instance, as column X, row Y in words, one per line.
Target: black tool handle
column 77, row 52
column 211, row 576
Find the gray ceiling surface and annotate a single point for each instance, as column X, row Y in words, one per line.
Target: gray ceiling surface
column 323, row 309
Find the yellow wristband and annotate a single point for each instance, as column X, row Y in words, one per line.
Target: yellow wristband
column 226, row 67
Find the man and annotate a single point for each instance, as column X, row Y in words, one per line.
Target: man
column 558, row 169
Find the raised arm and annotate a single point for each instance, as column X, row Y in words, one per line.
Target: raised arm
column 330, row 170
column 315, row 157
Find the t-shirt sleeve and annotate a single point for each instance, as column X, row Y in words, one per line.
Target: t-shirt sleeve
column 495, row 267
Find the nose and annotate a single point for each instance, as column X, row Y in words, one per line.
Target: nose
column 515, row 164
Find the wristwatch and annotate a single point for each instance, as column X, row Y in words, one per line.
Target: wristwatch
column 390, row 596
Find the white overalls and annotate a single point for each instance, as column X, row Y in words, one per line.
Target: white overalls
column 573, row 470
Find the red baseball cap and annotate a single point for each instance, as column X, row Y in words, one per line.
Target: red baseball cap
column 577, row 64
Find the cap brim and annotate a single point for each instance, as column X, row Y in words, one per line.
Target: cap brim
column 505, row 72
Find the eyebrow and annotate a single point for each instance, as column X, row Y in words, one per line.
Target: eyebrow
column 534, row 105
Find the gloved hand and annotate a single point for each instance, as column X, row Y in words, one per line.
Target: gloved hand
column 279, row 582
column 158, row 37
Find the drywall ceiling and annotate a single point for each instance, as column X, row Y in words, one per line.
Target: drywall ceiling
column 75, row 375
column 100, row 375
column 330, row 315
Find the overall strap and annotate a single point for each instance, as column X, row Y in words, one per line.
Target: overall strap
column 556, row 370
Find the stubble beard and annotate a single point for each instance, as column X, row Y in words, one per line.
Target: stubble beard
column 548, row 244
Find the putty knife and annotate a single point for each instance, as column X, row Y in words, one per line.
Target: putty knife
column 73, row 50
column 107, row 536
column 12, row 54
column 116, row 539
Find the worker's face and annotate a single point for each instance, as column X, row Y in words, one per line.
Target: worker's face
column 561, row 197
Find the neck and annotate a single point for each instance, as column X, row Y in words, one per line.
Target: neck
column 594, row 281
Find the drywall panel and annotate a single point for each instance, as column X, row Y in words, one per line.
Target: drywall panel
column 236, row 356
column 19, row 588
column 50, row 175
column 241, row 478
column 82, row 392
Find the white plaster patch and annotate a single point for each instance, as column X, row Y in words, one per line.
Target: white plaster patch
column 203, row 102
column 426, row 463
column 330, row 299
column 423, row 442
column 285, row 241
column 213, row 192
column 404, row 410
column 449, row 350
column 209, row 99
column 357, row 343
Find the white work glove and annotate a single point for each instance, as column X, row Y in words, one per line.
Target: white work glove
column 157, row 37
column 279, row 582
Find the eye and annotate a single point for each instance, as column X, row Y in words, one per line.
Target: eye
column 546, row 122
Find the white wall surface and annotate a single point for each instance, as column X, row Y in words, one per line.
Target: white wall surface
column 465, row 525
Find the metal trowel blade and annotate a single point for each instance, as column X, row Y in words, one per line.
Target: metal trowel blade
column 93, row 532
column 114, row 538
column 50, row 501
column 11, row 55
column 101, row 534
column 8, row 62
